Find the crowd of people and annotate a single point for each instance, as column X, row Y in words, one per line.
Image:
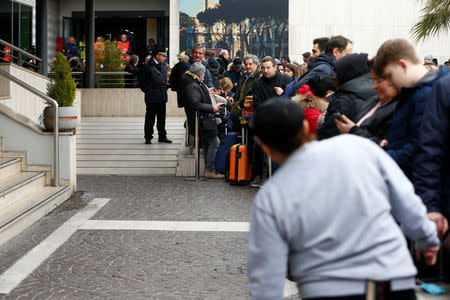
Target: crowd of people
column 380, row 172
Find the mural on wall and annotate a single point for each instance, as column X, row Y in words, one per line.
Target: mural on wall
column 258, row 27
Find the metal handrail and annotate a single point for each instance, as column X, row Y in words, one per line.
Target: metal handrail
column 56, row 125
column 4, row 43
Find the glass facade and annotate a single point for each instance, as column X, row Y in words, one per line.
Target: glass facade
column 16, row 23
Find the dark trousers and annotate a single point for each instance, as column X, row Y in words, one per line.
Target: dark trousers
column 155, row 110
column 397, row 295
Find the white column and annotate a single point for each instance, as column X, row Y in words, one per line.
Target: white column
column 174, row 31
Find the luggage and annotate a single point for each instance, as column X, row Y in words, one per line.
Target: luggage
column 239, row 169
column 224, row 150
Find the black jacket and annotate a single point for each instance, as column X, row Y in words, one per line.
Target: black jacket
column 197, row 98
column 153, row 81
column 375, row 128
column 348, row 100
column 176, row 80
column 263, row 87
column 223, row 64
column 213, row 68
column 322, row 66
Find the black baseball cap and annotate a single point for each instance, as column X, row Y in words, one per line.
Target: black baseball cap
column 277, row 121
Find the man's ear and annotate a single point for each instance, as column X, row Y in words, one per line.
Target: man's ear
column 403, row 64
column 335, row 51
column 266, row 149
column 306, row 128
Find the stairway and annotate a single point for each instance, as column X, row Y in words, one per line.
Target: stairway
column 115, row 146
column 25, row 196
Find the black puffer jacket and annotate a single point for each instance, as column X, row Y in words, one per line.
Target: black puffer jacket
column 197, row 98
column 263, row 87
column 322, row 66
column 347, row 100
column 375, row 128
column 213, row 67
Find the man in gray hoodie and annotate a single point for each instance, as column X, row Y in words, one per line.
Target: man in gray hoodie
column 329, row 217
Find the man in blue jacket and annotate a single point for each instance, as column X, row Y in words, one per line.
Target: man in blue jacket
column 153, row 77
column 432, row 159
column 397, row 61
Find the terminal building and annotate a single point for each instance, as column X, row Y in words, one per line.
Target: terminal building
column 109, row 140
column 366, row 23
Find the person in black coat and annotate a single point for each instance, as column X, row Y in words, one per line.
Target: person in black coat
column 374, row 119
column 132, row 68
column 354, row 87
column 198, row 98
column 176, row 77
column 153, row 82
column 213, row 67
column 223, row 60
column 271, row 84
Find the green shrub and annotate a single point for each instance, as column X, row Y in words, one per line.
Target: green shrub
column 113, row 62
column 62, row 87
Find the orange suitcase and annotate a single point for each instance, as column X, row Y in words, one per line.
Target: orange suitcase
column 239, row 168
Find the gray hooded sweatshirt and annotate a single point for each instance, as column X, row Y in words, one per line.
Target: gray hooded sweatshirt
column 331, row 213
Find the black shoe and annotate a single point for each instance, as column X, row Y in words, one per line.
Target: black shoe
column 148, row 141
column 165, row 140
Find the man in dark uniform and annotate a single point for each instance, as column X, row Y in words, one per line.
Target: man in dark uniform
column 153, row 83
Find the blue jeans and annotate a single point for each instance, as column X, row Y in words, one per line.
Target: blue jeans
column 210, row 145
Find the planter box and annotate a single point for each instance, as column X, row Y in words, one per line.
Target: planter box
column 68, row 118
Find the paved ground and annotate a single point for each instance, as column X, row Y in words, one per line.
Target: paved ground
column 133, row 257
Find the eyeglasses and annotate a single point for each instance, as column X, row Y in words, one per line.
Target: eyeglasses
column 383, row 77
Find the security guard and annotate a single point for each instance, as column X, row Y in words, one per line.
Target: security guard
column 153, row 81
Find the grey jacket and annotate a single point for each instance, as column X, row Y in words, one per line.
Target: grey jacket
column 335, row 238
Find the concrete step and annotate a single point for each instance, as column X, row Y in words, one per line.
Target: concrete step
column 126, row 157
column 126, row 137
column 154, row 146
column 108, row 140
column 9, row 167
column 124, row 132
column 126, row 164
column 127, row 171
column 15, row 187
column 126, row 152
column 19, row 216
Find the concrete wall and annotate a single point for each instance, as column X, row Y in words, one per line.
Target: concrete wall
column 121, row 103
column 39, row 148
column 19, row 99
column 367, row 23
column 23, row 101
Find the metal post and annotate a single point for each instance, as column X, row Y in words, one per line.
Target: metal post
column 56, row 147
column 197, row 148
column 42, row 28
column 186, row 142
column 270, row 167
column 90, row 37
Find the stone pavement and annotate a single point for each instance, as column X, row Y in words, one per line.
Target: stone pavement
column 145, row 238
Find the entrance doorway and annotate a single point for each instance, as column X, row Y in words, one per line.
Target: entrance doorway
column 139, row 26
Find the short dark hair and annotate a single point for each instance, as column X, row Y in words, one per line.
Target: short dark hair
column 392, row 51
column 277, row 123
column 306, row 54
column 209, row 53
column 269, row 58
column 337, row 41
column 322, row 42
